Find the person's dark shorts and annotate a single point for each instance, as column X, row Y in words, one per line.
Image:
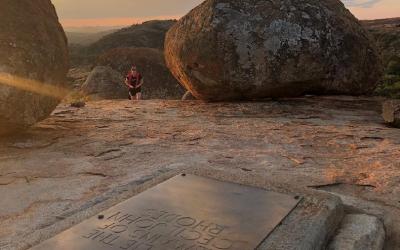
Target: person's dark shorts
column 133, row 92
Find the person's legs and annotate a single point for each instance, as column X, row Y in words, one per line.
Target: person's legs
column 139, row 94
column 135, row 95
column 132, row 95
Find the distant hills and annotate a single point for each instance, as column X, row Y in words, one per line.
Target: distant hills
column 86, row 47
column 88, row 35
column 80, row 38
column 386, row 32
column 149, row 34
column 382, row 23
column 91, row 29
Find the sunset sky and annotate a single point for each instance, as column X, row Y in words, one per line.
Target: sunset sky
column 75, row 13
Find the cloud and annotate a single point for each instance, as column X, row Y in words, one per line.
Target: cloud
column 361, row 3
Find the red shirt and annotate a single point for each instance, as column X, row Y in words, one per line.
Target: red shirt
column 134, row 80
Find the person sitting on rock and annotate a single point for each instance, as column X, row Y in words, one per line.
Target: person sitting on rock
column 134, row 81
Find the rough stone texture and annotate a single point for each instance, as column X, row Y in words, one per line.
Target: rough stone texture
column 309, row 226
column 385, row 212
column 32, row 46
column 248, row 49
column 105, row 83
column 76, row 77
column 78, row 158
column 359, row 232
column 158, row 80
column 391, row 112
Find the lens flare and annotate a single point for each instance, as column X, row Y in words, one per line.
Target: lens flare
column 33, row 86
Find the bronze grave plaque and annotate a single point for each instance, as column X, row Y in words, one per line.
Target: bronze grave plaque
column 185, row 213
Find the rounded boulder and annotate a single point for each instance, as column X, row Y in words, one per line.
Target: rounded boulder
column 250, row 49
column 33, row 63
column 104, row 83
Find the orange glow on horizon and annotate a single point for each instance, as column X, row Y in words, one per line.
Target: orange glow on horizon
column 111, row 21
column 389, row 10
column 379, row 10
column 370, row 14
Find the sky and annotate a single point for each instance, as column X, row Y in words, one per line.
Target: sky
column 76, row 13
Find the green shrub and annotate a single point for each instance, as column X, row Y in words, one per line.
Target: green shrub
column 75, row 96
column 389, row 89
column 393, row 67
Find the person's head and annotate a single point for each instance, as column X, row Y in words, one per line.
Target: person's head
column 133, row 69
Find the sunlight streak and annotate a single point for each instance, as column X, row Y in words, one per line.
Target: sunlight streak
column 33, row 86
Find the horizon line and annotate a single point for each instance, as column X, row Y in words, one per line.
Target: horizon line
column 112, row 22
column 123, row 22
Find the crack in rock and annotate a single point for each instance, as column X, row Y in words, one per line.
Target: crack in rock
column 94, row 174
column 106, row 152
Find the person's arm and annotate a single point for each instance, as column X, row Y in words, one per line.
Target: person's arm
column 127, row 83
column 141, row 83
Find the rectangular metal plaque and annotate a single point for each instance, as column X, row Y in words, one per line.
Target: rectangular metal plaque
column 185, row 213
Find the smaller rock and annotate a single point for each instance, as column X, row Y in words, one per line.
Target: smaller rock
column 104, row 83
column 359, row 232
column 309, row 226
column 391, row 112
column 188, row 96
column 76, row 77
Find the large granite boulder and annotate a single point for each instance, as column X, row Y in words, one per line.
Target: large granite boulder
column 105, row 83
column 159, row 83
column 246, row 49
column 33, row 62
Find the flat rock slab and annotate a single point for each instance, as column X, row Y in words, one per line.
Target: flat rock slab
column 359, row 232
column 185, row 212
column 78, row 158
